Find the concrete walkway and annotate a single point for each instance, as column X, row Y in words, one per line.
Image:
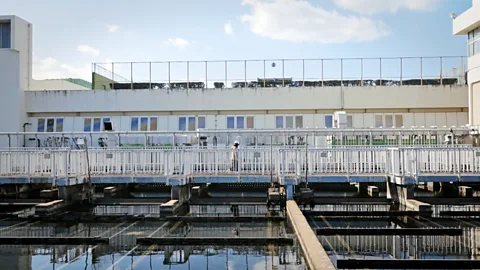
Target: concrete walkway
column 315, row 255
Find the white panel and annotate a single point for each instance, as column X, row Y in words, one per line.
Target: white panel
column 358, row 120
column 320, row 118
column 270, row 121
column 258, row 121
column 116, row 121
column 430, row 119
column 210, row 122
column 221, row 122
column 462, row 118
column 368, row 120
column 68, row 123
column 441, row 119
column 308, row 121
column 451, row 119
column 162, row 123
column 419, row 119
column 125, row 123
column 172, row 122
column 408, row 120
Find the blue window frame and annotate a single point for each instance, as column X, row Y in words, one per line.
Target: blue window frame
column 279, row 122
column 134, row 124
column 230, row 122
column 182, row 123
column 59, row 125
column 201, row 122
column 240, row 122
column 144, row 124
column 97, row 122
column 87, row 125
column 328, row 121
column 50, row 124
column 5, row 35
column 191, row 123
column 41, row 125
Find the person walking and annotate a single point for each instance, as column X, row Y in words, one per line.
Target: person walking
column 235, row 156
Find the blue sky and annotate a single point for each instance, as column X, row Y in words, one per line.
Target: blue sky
column 70, row 35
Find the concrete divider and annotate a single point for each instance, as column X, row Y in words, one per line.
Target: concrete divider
column 315, row 255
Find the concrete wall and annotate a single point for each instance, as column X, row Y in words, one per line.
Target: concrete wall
column 55, row 84
column 468, row 20
column 302, row 98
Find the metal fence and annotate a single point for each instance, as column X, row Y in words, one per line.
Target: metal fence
column 409, row 161
column 388, row 71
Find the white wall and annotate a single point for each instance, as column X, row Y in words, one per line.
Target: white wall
column 302, row 98
column 55, row 84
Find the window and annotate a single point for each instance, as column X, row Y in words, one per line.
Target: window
column 328, row 121
column 87, row 124
column 299, row 121
column 389, row 121
column 474, row 42
column 250, row 122
column 59, row 125
column 201, row 122
column 378, row 120
column 349, row 121
column 182, row 123
column 50, row 124
column 41, row 125
column 289, row 121
column 279, row 122
column 240, row 122
column 97, row 122
column 153, row 123
column 5, row 35
column 398, row 120
column 230, row 122
column 191, row 124
column 144, row 124
column 134, row 124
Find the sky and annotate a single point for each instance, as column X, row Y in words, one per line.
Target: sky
column 71, row 35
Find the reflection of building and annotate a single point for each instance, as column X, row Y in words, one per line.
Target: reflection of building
column 468, row 23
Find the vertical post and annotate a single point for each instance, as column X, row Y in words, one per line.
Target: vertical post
column 283, row 72
column 303, row 72
column 113, row 71
column 188, row 74
column 169, row 74
column 226, row 81
column 264, row 74
column 401, row 71
column 246, row 73
column 150, row 75
column 322, row 72
column 206, row 74
column 380, row 71
column 361, row 71
column 131, row 75
column 341, row 72
column 421, row 70
column 441, row 70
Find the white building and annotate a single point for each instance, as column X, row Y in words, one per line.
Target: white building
column 398, row 100
column 468, row 23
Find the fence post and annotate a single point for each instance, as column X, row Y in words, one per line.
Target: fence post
column 226, row 80
column 341, row 72
column 29, row 165
column 401, row 71
column 169, row 74
column 441, row 70
column 246, row 73
column 188, row 74
column 206, row 74
column 303, row 72
column 380, row 59
column 361, row 71
column 421, row 70
column 283, row 72
column 150, row 75
column 264, row 74
column 131, row 75
column 322, row 72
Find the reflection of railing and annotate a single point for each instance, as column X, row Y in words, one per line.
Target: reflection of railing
column 441, row 70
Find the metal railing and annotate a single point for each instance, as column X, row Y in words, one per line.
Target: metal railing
column 387, row 71
column 281, row 162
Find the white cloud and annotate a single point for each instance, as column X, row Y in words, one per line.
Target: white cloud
column 180, row 43
column 112, row 28
column 378, row 6
column 88, row 50
column 228, row 29
column 50, row 68
column 300, row 21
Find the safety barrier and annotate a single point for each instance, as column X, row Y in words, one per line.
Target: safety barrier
column 283, row 162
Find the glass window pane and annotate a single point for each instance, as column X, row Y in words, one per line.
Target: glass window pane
column 50, row 124
column 153, row 123
column 328, row 121
column 378, row 120
column 230, row 122
column 201, row 122
column 279, row 122
column 240, row 122
column 97, row 122
column 398, row 120
column 250, row 122
column 289, row 121
column 5, row 35
column 349, row 121
column 134, row 124
column 41, row 125
column 191, row 123
column 59, row 125
column 87, row 124
column 182, row 123
column 144, row 124
column 299, row 121
column 388, row 121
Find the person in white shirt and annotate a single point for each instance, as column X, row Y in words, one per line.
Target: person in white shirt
column 235, row 156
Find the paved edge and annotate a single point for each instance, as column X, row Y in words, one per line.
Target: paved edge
column 315, row 255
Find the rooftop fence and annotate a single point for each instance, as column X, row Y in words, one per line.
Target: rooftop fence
column 328, row 72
